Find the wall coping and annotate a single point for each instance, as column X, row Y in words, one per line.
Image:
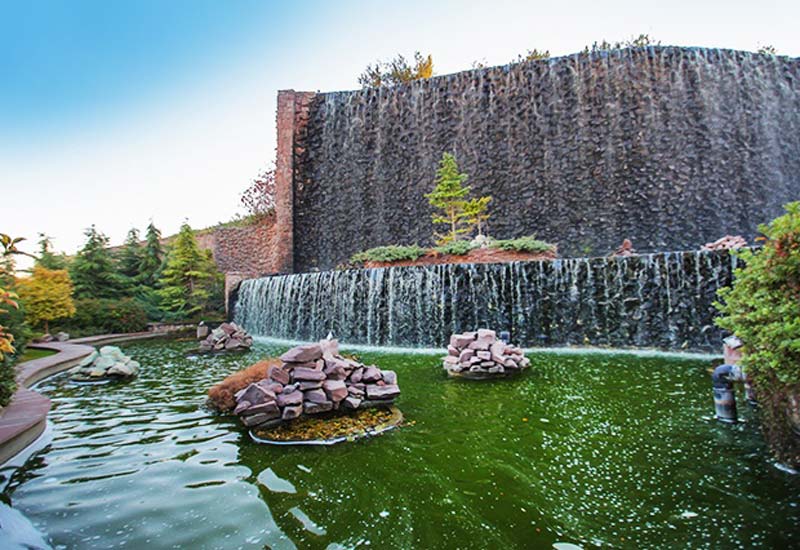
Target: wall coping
column 24, row 419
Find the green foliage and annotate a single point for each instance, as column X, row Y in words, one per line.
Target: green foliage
column 392, row 253
column 47, row 258
column 13, row 330
column 532, row 55
column 763, row 309
column 768, row 50
column 152, row 257
column 47, row 296
column 131, row 257
column 523, row 244
column 106, row 316
column 93, row 271
column 397, row 71
column 640, row 41
column 189, row 277
column 448, row 198
column 476, row 212
column 456, row 248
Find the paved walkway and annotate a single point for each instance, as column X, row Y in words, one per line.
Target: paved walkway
column 25, row 417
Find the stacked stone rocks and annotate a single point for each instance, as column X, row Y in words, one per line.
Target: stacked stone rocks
column 728, row 242
column 109, row 362
column 227, row 337
column 313, row 379
column 482, row 354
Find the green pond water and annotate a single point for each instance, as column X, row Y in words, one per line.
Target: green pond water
column 592, row 450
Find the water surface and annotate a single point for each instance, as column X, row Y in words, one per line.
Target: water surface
column 608, row 450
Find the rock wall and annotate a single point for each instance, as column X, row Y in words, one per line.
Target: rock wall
column 670, row 147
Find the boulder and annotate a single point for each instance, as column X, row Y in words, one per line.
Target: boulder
column 309, row 385
column 356, row 375
column 389, row 376
column 372, row 374
column 256, row 394
column 351, row 402
column 303, row 354
column 269, row 408
column 303, row 373
column 335, row 390
column 292, row 412
column 487, row 334
column 315, row 396
column 310, row 407
column 390, row 391
column 289, row 399
column 279, row 375
column 62, row 337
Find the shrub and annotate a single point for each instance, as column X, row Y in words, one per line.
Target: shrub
column 221, row 396
column 524, row 244
column 106, row 316
column 763, row 309
column 392, row 253
column 456, row 248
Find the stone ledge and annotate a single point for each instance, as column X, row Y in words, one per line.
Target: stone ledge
column 25, row 417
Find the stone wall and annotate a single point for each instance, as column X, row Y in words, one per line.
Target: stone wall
column 670, row 147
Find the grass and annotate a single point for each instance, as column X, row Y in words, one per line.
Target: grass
column 32, row 353
column 393, row 253
column 523, row 244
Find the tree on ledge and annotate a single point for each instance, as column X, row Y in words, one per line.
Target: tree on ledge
column 449, row 199
column 397, row 71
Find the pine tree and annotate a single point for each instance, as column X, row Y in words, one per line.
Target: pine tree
column 93, row 272
column 449, row 198
column 47, row 296
column 47, row 258
column 475, row 211
column 188, row 277
column 152, row 257
column 131, row 257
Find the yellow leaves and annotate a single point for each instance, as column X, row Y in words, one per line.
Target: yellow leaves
column 328, row 427
column 47, row 295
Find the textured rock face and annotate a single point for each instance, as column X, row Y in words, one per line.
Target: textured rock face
column 663, row 301
column 670, row 147
column 314, row 379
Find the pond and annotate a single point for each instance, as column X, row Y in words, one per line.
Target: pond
column 590, row 449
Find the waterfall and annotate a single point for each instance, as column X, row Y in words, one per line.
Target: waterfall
column 655, row 300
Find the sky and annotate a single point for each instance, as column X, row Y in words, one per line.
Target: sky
column 119, row 113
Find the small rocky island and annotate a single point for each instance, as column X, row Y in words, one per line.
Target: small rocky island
column 225, row 338
column 313, row 379
column 480, row 355
column 107, row 364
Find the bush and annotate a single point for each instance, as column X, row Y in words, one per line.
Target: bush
column 763, row 309
column 393, row 253
column 523, row 244
column 456, row 248
column 221, row 396
column 106, row 316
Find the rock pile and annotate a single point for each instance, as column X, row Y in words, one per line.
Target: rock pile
column 109, row 362
column 227, row 337
column 728, row 242
column 313, row 379
column 482, row 355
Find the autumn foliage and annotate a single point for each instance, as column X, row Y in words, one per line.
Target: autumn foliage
column 221, row 397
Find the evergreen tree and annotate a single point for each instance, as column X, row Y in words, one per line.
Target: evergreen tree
column 47, row 258
column 93, row 272
column 189, row 276
column 449, row 198
column 47, row 296
column 475, row 211
column 152, row 257
column 131, row 257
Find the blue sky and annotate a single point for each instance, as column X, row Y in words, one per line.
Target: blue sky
column 116, row 112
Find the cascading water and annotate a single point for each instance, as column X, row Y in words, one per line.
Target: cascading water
column 655, row 300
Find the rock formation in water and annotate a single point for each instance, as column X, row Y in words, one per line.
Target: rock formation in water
column 314, row 378
column 481, row 354
column 227, row 337
column 109, row 362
